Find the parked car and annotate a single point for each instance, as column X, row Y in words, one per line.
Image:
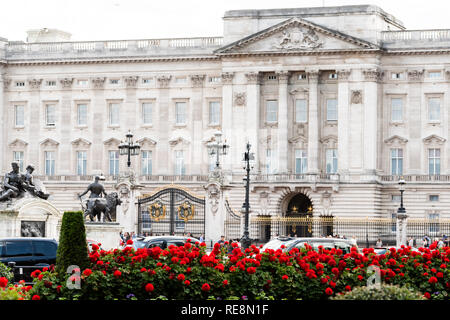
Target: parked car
column 327, row 243
column 28, row 251
column 165, row 241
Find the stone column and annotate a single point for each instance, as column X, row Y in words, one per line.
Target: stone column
column 253, row 115
column 163, row 127
column 402, row 219
column 313, row 122
column 65, row 126
column 196, row 104
column 343, row 120
column 370, row 137
column 35, row 118
column 227, row 120
column 215, row 212
column 4, row 120
column 129, row 106
column 283, row 79
column 99, row 109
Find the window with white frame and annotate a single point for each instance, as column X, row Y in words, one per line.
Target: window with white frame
column 271, row 161
column 301, row 161
column 179, row 163
column 433, row 222
column 433, row 198
column 271, row 111
column 50, row 83
column 214, row 112
column 434, row 161
column 180, row 113
column 113, row 157
column 332, row 112
column 396, row 75
column 396, row 109
column 396, row 161
column 82, row 114
column 146, row 162
column 331, row 160
column 180, row 80
column 19, row 115
column 434, row 109
column 49, row 160
column 81, row 163
column 301, row 111
column 50, row 115
column 82, row 83
column 394, row 222
column 114, row 114
column 18, row 157
column 435, row 75
column 147, row 109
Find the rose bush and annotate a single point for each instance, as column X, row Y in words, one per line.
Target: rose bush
column 188, row 272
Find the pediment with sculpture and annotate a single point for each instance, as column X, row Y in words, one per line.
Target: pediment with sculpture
column 296, row 35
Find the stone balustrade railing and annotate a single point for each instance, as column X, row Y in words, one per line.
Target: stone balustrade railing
column 415, row 35
column 128, row 48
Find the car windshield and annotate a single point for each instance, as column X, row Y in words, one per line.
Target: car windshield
column 345, row 247
column 276, row 244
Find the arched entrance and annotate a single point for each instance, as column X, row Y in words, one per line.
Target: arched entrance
column 299, row 216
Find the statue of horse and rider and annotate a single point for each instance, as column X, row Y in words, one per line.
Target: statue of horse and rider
column 98, row 205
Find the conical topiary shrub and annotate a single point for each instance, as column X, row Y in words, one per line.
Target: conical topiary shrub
column 72, row 247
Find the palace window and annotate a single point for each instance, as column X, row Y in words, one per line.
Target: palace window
column 331, row 160
column 20, row 84
column 114, row 114
column 114, row 163
column 434, row 75
column 396, row 161
column 147, row 109
column 271, row 161
column 396, row 109
column 146, row 164
column 271, row 111
column 19, row 115
column 81, row 163
column 49, row 159
column 114, row 81
column 433, row 197
column 434, row 161
column 180, row 168
column 50, row 115
column 214, row 113
column 301, row 111
column 82, row 114
column 301, row 161
column 180, row 113
column 396, row 75
column 332, row 114
column 18, row 157
column 434, row 109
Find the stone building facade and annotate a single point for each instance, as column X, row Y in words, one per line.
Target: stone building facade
column 336, row 102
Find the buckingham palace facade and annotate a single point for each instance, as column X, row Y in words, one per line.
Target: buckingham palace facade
column 337, row 103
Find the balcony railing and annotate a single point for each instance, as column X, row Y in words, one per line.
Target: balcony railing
column 416, row 35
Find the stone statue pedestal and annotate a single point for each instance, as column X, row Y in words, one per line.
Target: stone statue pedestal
column 106, row 233
column 29, row 217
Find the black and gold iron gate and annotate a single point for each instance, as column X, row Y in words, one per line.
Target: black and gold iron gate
column 171, row 211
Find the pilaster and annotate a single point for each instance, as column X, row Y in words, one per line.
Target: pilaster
column 253, row 114
column 343, row 120
column 313, row 122
column 283, row 79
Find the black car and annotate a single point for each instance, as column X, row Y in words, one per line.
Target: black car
column 28, row 251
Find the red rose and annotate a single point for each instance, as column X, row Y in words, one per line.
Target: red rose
column 117, row 273
column 99, row 262
column 58, row 289
column 285, row 277
column 348, row 288
column 149, row 287
column 433, row 280
column 439, row 275
column 251, row 270
column 206, row 287
column 130, row 242
column 187, row 282
column 181, row 277
column 36, row 297
column 87, row 272
column 329, row 291
column 225, row 282
column 427, row 295
column 3, row 282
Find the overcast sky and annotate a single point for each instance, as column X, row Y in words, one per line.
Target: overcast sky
column 144, row 19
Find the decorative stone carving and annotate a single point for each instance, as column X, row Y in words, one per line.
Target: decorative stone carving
column 373, row 74
column 98, row 82
column 81, row 142
column 283, row 76
column 253, row 77
column 396, row 140
column 313, row 75
column 175, row 141
column 227, row 77
column 415, row 75
column 298, row 38
column 49, row 143
column 356, row 97
column 131, row 81
column 163, row 80
column 434, row 139
column 197, row 80
column 124, row 195
column 240, row 98
column 18, row 143
column 330, row 141
column 111, row 142
column 213, row 197
column 66, row 83
column 35, row 83
column 6, row 83
column 344, row 75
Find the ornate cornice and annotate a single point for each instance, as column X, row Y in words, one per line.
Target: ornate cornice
column 253, row 77
column 434, row 139
column 344, row 74
column 35, row 83
column 6, row 82
column 66, row 82
column 98, row 82
column 131, row 81
column 163, row 80
column 396, row 140
column 197, row 80
column 227, row 77
column 373, row 74
column 81, row 142
column 415, row 75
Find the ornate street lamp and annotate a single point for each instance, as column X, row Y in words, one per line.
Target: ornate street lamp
column 218, row 148
column 129, row 148
column 401, row 211
column 245, row 240
column 401, row 216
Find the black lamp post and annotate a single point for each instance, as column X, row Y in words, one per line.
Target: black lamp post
column 401, row 216
column 401, row 212
column 245, row 240
column 218, row 148
column 129, row 148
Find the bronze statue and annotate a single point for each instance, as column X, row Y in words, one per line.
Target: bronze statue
column 96, row 204
column 12, row 184
column 30, row 186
